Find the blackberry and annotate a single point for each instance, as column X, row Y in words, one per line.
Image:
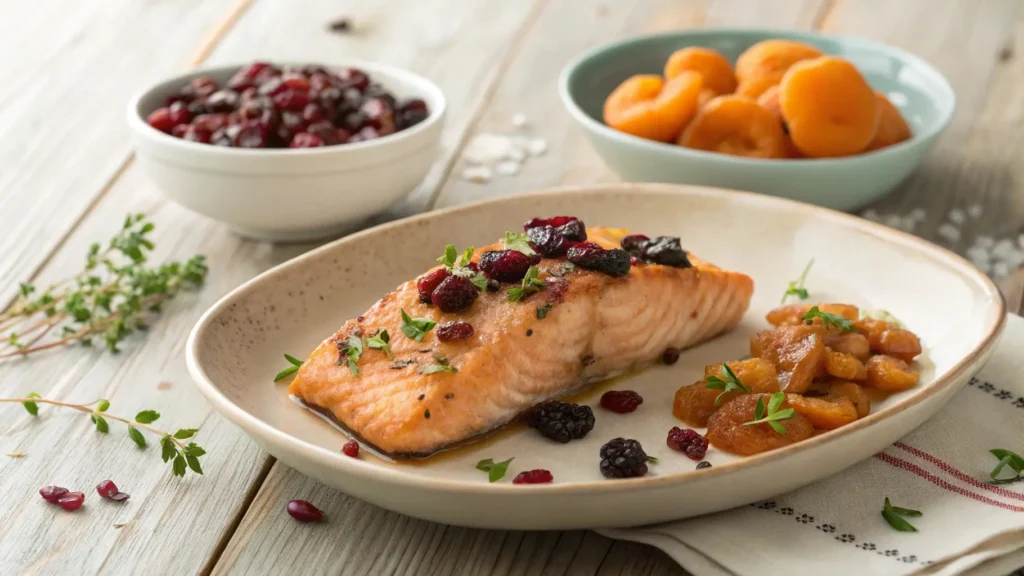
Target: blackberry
column 623, row 458
column 454, row 294
column 561, row 421
column 547, row 241
column 636, row 244
column 665, row 250
column 574, row 230
column 591, row 256
column 505, row 265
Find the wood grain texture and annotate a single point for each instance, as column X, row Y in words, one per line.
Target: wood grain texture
column 69, row 69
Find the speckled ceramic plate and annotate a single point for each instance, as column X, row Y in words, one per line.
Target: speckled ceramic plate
column 236, row 349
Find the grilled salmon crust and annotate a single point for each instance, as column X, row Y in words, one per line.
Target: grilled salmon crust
column 597, row 326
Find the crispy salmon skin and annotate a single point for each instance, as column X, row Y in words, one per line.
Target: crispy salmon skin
column 596, row 326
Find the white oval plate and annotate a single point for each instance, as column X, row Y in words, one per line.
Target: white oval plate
column 236, row 349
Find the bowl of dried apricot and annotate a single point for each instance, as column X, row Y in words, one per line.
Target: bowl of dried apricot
column 832, row 121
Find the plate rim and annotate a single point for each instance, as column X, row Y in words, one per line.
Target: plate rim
column 362, row 470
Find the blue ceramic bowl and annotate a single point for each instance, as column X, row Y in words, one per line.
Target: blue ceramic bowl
column 921, row 93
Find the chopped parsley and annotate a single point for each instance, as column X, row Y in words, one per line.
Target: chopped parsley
column 416, row 328
column 542, row 311
column 727, row 383
column 531, row 284
column 519, row 243
column 495, row 470
column 894, row 516
column 796, row 287
column 440, row 365
column 379, row 341
column 829, row 319
column 295, row 364
column 349, row 351
column 772, row 415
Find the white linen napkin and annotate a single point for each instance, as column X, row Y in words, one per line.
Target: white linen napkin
column 835, row 526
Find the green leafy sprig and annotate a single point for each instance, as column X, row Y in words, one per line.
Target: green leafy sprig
column 459, row 266
column 728, row 382
column 796, row 287
column 182, row 455
column 772, row 416
column 112, row 297
column 295, row 365
column 894, row 516
column 440, row 365
column 1007, row 459
column 829, row 319
column 518, row 242
column 530, row 285
column 350, row 350
column 416, row 328
column 495, row 470
column 380, row 341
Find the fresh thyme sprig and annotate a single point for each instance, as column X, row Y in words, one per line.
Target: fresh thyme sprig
column 894, row 516
column 109, row 299
column 530, row 285
column 727, row 383
column 459, row 266
column 829, row 319
column 796, row 287
column 295, row 365
column 773, row 415
column 182, row 455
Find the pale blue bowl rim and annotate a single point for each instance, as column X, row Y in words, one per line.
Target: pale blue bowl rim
column 916, row 139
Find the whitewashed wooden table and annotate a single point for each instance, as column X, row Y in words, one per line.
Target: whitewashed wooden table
column 67, row 178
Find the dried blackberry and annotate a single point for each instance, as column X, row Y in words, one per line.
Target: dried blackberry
column 591, row 256
column 454, row 294
column 427, row 283
column 636, row 244
column 665, row 250
column 687, row 441
column 505, row 265
column 547, row 241
column 574, row 230
column 561, row 421
column 623, row 458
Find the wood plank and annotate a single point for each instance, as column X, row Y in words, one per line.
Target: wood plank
column 68, row 71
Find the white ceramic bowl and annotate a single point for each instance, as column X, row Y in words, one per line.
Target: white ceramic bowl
column 290, row 194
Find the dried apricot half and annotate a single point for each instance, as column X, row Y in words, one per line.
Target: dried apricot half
column 757, row 374
column 892, row 128
column 713, row 68
column 798, row 353
column 756, row 87
column 829, row 108
column 727, row 429
column 854, row 392
column 770, row 59
column 737, row 126
column 826, row 413
column 695, row 403
column 844, row 366
column 648, row 107
column 890, row 374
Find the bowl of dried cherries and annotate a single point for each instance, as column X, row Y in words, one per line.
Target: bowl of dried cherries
column 287, row 152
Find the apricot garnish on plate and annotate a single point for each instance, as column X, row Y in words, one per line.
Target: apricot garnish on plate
column 768, row 60
column 829, row 108
column 892, row 128
column 827, row 413
column 728, row 428
column 890, row 374
column 649, row 107
column 713, row 68
column 754, row 88
column 735, row 125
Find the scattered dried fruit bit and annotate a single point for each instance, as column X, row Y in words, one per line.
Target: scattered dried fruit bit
column 714, row 69
column 52, row 493
column 854, row 393
column 892, row 128
column 454, row 294
column 796, row 351
column 427, row 283
column 623, row 458
column 621, row 401
column 853, row 343
column 755, row 88
column 504, row 265
column 303, row 511
column 648, row 107
column 106, row 489
column 735, row 125
column 454, row 331
column 727, row 429
column 351, row 449
column 538, row 476
column 71, row 501
column 561, row 421
column 826, row 413
column 769, row 60
column 687, row 441
column 670, row 356
column 614, row 262
column 829, row 108
column 890, row 374
column 844, row 366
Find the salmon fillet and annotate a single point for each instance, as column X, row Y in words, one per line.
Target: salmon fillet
column 597, row 326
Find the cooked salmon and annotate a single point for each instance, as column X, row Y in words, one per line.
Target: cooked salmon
column 596, row 326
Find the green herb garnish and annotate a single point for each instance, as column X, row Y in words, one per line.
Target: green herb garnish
column 349, row 351
column 542, row 311
column 379, row 341
column 416, row 328
column 796, row 287
column 440, row 365
column 295, row 364
column 829, row 319
column 893, row 515
column 495, row 470
column 1006, row 459
column 652, row 459
column 727, row 383
column 479, row 280
column 519, row 243
column 531, row 284
column 773, row 415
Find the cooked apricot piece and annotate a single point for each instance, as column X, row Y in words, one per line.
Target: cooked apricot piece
column 727, row 430
column 757, row 374
column 829, row 108
column 796, row 351
column 852, row 391
column 705, row 96
column 695, row 403
column 890, row 374
column 754, row 88
column 827, row 413
column 844, row 366
column 872, row 330
column 648, row 107
column 737, row 126
column 769, row 100
column 892, row 128
column 715, row 71
column 770, row 59
column 853, row 343
column 899, row 343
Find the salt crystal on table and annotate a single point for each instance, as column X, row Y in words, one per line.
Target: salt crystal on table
column 984, row 242
column 1000, row 269
column 478, row 174
column 507, row 168
column 1003, row 248
column 873, row 216
column 949, row 232
column 918, row 214
column 974, row 210
column 957, row 216
column 892, row 221
column 487, row 148
column 976, row 254
column 537, row 147
column 519, row 120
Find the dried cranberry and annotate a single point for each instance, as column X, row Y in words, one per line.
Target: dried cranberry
column 352, row 78
column 636, row 244
column 197, row 134
column 411, row 113
column 454, row 294
column 426, row 284
column 296, row 82
column 179, row 130
column 665, row 250
column 687, row 441
column 252, row 134
column 351, row 449
column 621, row 401
column 325, row 131
column 554, row 221
column 161, row 120
column 670, row 356
column 547, row 241
column 305, row 140
column 224, row 136
column 271, row 87
column 505, row 265
column 538, row 476
column 222, row 101
column 303, row 511
column 179, row 113
column 352, row 121
column 367, row 133
column 291, row 100
column 200, row 87
column 246, row 77
column 71, row 501
column 313, row 112
column 454, row 331
column 210, row 122
column 52, row 493
column 120, row 497
column 574, row 230
column 379, row 114
column 591, row 256
column 107, row 489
